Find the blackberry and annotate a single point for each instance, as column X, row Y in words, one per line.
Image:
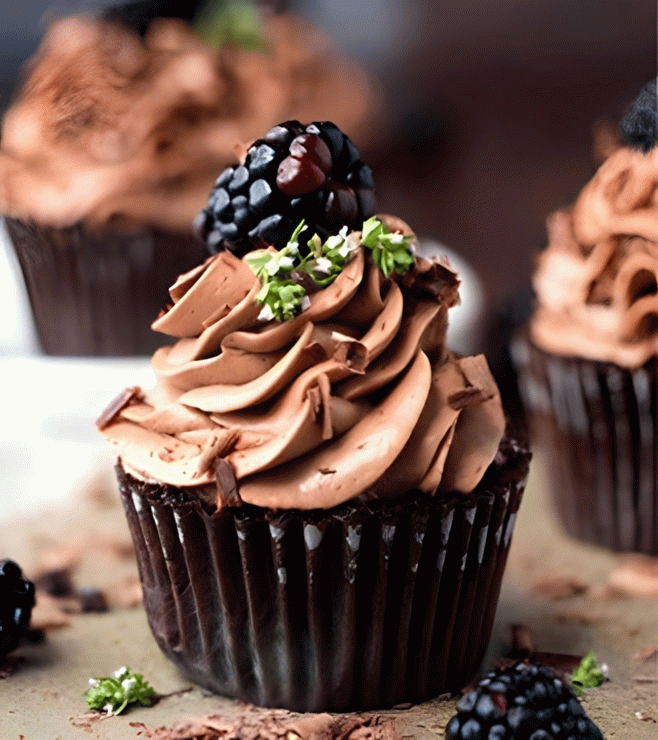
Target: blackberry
column 639, row 126
column 521, row 702
column 16, row 602
column 294, row 172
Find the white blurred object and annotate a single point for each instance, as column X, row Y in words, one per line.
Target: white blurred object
column 49, row 443
column 17, row 333
column 464, row 320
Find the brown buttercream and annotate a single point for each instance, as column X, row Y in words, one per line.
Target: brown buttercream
column 110, row 127
column 356, row 396
column 597, row 281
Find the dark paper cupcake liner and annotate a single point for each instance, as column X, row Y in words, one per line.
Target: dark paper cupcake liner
column 596, row 425
column 361, row 606
column 97, row 293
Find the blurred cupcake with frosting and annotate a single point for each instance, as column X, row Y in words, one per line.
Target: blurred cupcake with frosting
column 114, row 140
column 588, row 364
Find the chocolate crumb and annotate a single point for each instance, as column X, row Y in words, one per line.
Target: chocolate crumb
column 92, row 601
column 127, row 396
column 56, row 582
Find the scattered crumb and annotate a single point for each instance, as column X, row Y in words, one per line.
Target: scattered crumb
column 646, row 653
column 646, row 717
column 582, row 616
column 124, row 594
column 557, row 588
column 277, row 725
column 637, row 576
column 51, row 613
column 88, row 720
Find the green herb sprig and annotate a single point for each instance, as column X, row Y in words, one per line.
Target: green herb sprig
column 282, row 273
column 390, row 249
column 231, row 23
column 113, row 694
column 587, row 675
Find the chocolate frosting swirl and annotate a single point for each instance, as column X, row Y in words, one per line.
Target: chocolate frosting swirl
column 597, row 281
column 356, row 396
column 109, row 127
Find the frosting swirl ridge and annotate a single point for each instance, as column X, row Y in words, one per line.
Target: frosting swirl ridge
column 597, row 281
column 356, row 396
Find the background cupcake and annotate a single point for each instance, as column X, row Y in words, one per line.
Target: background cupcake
column 588, row 364
column 113, row 143
column 321, row 495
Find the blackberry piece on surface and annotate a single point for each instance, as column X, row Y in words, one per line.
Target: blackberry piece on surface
column 521, row 702
column 293, row 172
column 639, row 126
column 16, row 602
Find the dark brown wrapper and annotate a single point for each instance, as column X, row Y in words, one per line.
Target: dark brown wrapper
column 595, row 423
column 366, row 605
column 96, row 293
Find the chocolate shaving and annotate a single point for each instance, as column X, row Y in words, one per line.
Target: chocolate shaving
column 354, row 355
column 227, row 485
column 466, row 397
column 127, row 396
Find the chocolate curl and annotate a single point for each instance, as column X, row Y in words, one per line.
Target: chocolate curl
column 227, row 485
column 127, row 396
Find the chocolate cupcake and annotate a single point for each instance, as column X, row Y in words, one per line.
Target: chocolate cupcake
column 112, row 145
column 588, row 358
column 321, row 494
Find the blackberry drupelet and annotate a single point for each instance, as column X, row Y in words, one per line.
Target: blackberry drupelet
column 521, row 702
column 16, row 602
column 294, row 172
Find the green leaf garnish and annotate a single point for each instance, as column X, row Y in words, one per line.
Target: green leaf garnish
column 231, row 23
column 390, row 249
column 588, row 675
column 281, row 273
column 112, row 694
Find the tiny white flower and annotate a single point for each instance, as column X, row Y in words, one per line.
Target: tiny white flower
column 306, row 303
column 108, row 710
column 334, row 241
column 396, row 238
column 129, row 683
column 120, row 672
column 266, row 314
column 93, row 682
column 345, row 251
column 293, row 247
column 343, row 232
column 286, row 261
column 323, row 264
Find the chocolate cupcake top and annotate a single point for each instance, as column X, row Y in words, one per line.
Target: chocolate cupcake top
column 309, row 400
column 597, row 281
column 110, row 127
